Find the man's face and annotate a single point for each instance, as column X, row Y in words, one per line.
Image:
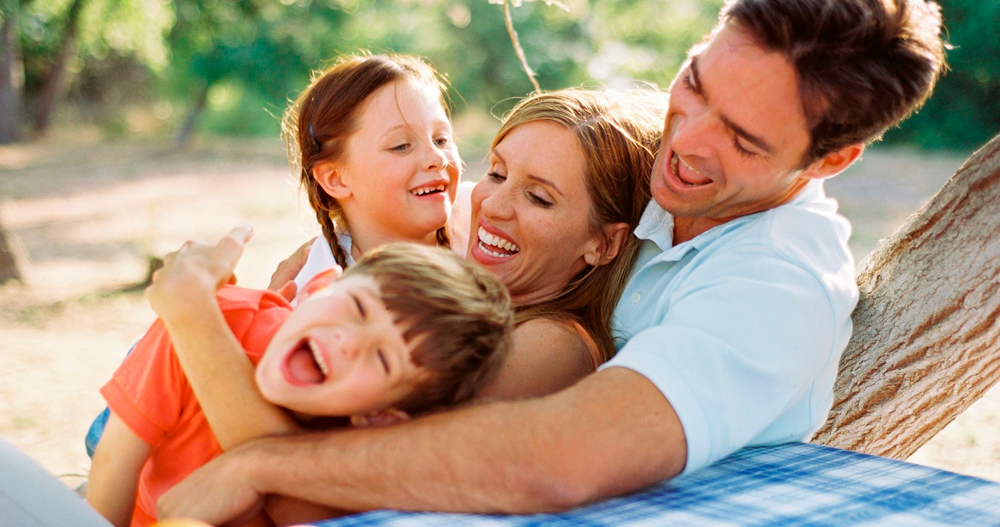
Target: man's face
column 734, row 137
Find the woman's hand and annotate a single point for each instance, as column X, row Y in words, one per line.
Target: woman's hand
column 193, row 273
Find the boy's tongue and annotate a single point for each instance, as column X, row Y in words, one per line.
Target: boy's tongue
column 303, row 368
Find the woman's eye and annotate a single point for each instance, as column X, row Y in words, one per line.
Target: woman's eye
column 496, row 178
column 538, row 200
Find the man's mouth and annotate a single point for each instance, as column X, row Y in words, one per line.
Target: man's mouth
column 305, row 364
column 496, row 246
column 685, row 173
column 430, row 189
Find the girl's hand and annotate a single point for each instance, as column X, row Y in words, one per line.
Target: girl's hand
column 193, row 273
column 282, row 279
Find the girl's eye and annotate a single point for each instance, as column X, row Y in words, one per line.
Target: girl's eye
column 442, row 141
column 538, row 200
column 400, row 148
column 686, row 80
column 496, row 178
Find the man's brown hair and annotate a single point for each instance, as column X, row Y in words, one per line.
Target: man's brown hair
column 457, row 315
column 863, row 65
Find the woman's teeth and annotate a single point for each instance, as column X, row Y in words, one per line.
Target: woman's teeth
column 427, row 190
column 486, row 239
column 319, row 359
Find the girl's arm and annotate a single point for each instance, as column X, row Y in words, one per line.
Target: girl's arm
column 547, row 356
column 183, row 294
column 114, row 473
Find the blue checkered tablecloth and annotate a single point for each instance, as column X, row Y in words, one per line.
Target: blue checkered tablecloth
column 788, row 485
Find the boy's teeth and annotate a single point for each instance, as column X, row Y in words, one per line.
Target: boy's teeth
column 319, row 360
column 497, row 241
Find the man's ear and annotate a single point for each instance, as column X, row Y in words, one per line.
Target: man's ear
column 602, row 249
column 389, row 416
column 834, row 163
column 328, row 177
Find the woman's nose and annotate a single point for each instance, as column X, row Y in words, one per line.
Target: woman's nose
column 499, row 204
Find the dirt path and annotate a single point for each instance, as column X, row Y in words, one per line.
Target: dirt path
column 87, row 216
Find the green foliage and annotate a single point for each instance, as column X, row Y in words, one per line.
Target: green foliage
column 255, row 55
column 964, row 112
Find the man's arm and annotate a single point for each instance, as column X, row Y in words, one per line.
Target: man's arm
column 612, row 432
column 114, row 474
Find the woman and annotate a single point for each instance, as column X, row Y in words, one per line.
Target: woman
column 553, row 218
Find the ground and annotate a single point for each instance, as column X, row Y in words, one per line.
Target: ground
column 86, row 215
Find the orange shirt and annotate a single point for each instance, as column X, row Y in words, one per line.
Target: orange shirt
column 150, row 393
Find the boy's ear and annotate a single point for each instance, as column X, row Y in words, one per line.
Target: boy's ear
column 389, row 416
column 319, row 282
column 326, row 175
column 605, row 247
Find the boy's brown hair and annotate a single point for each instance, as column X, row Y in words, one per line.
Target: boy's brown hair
column 863, row 65
column 457, row 315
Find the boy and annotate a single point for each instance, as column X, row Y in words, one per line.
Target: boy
column 407, row 329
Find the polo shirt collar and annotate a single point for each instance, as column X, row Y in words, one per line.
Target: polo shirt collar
column 657, row 225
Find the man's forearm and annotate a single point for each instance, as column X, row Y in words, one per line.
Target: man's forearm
column 609, row 434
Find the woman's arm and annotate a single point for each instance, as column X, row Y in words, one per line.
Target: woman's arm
column 114, row 473
column 547, row 356
column 221, row 376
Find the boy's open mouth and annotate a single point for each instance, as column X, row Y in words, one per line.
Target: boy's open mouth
column 305, row 365
column 496, row 246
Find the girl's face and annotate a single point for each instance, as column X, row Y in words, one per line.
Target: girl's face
column 397, row 176
column 531, row 212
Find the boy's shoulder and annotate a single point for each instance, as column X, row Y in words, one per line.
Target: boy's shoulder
column 233, row 298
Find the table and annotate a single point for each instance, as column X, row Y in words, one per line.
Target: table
column 788, row 485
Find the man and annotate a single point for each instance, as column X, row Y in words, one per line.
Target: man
column 736, row 313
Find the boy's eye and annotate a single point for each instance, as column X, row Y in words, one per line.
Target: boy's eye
column 384, row 361
column 361, row 308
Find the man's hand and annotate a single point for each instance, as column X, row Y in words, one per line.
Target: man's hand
column 195, row 272
column 219, row 492
column 281, row 280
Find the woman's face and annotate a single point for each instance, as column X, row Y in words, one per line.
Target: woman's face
column 531, row 212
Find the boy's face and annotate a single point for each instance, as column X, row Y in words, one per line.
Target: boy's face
column 339, row 353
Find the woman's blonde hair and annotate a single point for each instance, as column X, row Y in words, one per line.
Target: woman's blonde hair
column 318, row 124
column 619, row 133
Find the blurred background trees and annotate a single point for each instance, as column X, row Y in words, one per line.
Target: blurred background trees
column 179, row 68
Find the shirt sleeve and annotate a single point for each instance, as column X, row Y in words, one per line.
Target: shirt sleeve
column 147, row 391
column 746, row 337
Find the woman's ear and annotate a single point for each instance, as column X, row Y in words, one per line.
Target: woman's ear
column 328, row 177
column 604, row 248
column 389, row 416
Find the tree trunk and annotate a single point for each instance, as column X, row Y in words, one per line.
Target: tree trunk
column 55, row 85
column 926, row 340
column 11, row 74
column 8, row 264
column 187, row 129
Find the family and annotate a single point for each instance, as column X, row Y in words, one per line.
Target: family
column 637, row 288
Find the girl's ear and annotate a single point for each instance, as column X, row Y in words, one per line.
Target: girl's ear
column 605, row 247
column 328, row 177
column 389, row 416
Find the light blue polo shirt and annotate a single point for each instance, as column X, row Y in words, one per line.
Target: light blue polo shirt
column 742, row 327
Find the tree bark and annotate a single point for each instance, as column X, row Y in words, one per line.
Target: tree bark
column 8, row 264
column 926, row 340
column 11, row 74
column 55, row 85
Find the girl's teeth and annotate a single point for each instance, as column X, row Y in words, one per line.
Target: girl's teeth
column 319, row 360
column 421, row 192
column 497, row 241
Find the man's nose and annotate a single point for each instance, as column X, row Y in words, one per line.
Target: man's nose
column 698, row 134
